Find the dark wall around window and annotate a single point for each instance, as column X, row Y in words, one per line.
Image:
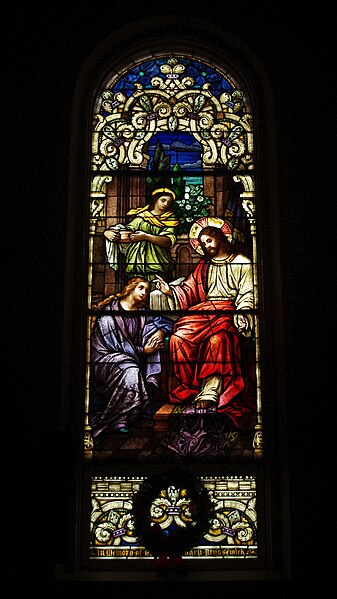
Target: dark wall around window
column 45, row 49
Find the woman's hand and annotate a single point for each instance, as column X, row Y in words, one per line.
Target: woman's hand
column 161, row 240
column 162, row 285
column 156, row 338
column 112, row 234
column 156, row 341
column 138, row 236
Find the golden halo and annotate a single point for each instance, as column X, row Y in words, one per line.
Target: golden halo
column 208, row 221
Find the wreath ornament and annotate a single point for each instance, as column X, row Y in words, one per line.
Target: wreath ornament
column 171, row 515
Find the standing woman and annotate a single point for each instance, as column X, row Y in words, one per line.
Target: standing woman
column 147, row 240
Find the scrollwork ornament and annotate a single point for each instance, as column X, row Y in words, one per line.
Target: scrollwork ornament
column 258, row 440
column 112, row 527
column 210, row 152
column 163, row 109
column 219, row 131
column 249, row 207
column 97, row 204
column 97, row 161
column 157, row 82
column 182, row 109
column 139, row 120
column 126, row 131
column 237, row 148
column 187, row 82
column 206, row 121
column 232, row 526
column 174, row 103
column 88, row 441
column 135, row 154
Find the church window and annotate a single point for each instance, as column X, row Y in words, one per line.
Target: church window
column 175, row 402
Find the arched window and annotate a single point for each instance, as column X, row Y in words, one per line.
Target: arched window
column 173, row 358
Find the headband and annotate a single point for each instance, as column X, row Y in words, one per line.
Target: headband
column 165, row 190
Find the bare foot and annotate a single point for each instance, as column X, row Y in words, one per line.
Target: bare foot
column 202, row 404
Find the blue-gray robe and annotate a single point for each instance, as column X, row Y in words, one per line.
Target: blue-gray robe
column 120, row 371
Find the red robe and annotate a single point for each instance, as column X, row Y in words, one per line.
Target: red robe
column 205, row 342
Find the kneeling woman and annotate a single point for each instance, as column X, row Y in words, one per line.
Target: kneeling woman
column 125, row 358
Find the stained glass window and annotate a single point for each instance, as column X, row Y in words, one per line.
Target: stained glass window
column 173, row 322
column 173, row 463
column 172, row 158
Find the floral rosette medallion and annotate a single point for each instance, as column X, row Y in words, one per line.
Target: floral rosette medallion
column 171, row 513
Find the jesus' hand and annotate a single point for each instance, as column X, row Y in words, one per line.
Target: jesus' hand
column 162, row 285
column 242, row 323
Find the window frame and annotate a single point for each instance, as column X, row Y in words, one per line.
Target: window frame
column 117, row 52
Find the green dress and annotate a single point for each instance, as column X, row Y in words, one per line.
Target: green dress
column 144, row 258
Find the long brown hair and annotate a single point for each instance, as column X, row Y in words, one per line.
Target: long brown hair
column 218, row 234
column 130, row 286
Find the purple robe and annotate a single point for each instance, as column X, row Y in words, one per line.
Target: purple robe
column 120, row 371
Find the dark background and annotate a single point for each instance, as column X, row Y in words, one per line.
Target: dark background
column 45, row 47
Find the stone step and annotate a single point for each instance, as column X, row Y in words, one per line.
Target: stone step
column 161, row 418
column 169, row 417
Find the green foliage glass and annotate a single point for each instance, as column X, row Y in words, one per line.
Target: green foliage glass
column 191, row 206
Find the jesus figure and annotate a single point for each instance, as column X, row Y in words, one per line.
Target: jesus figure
column 208, row 347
